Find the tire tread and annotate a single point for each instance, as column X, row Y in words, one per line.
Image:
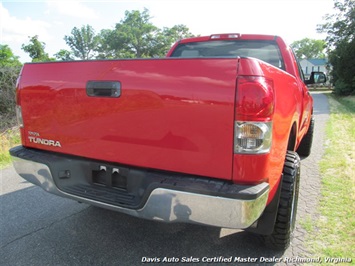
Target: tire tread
column 281, row 237
column 305, row 147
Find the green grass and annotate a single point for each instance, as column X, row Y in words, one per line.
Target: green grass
column 9, row 138
column 333, row 233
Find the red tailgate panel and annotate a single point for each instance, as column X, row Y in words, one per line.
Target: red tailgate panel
column 172, row 114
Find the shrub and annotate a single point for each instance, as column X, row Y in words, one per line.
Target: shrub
column 343, row 88
column 8, row 78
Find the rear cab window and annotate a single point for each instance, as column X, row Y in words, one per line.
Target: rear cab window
column 267, row 51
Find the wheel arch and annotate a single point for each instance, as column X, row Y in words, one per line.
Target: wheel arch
column 292, row 139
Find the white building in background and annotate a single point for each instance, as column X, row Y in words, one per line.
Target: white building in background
column 309, row 65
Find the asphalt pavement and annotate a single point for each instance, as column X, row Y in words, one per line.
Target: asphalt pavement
column 38, row 228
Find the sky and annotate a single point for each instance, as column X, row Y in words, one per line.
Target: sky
column 51, row 20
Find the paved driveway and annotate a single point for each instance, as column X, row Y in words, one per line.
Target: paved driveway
column 310, row 178
column 37, row 228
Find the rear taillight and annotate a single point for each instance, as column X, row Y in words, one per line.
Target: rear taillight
column 19, row 116
column 18, row 102
column 255, row 99
column 252, row 137
column 253, row 115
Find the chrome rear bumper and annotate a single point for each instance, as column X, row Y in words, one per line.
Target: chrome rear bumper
column 165, row 204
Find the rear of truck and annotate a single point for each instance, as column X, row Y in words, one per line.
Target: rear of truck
column 181, row 139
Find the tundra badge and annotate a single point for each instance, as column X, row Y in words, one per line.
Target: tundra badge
column 35, row 138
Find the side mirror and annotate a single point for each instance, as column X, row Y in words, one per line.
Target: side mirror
column 316, row 78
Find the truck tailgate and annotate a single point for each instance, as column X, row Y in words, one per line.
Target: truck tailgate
column 168, row 114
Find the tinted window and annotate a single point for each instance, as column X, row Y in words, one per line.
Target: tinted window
column 267, row 51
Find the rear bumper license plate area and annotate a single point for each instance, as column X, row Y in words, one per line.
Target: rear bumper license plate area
column 144, row 193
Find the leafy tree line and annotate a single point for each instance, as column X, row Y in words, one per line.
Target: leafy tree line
column 135, row 36
column 10, row 67
column 340, row 28
column 309, row 48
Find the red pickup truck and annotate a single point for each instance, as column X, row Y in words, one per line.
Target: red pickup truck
column 208, row 135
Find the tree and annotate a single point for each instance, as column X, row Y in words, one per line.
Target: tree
column 64, row 55
column 177, row 32
column 340, row 28
column 7, row 58
column 342, row 59
column 168, row 36
column 134, row 36
column 107, row 45
column 82, row 42
column 10, row 68
column 35, row 49
column 309, row 48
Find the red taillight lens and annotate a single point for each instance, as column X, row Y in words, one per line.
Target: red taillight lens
column 18, row 100
column 19, row 116
column 255, row 99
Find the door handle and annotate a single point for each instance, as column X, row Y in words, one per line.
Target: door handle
column 111, row 89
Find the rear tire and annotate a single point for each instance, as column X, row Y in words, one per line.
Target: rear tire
column 286, row 214
column 305, row 147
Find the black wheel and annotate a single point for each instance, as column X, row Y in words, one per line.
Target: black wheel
column 305, row 147
column 286, row 213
